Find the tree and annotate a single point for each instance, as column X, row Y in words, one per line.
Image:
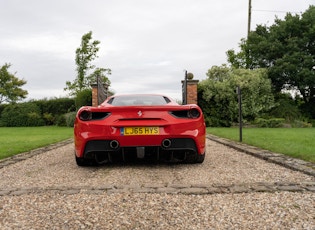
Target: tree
column 219, row 98
column 10, row 86
column 85, row 54
column 287, row 50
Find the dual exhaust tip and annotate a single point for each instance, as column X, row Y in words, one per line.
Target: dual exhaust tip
column 166, row 143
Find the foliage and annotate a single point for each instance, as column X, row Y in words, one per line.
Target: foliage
column 52, row 109
column 36, row 112
column 49, row 118
column 83, row 98
column 301, row 124
column 286, row 108
column 61, row 120
column 85, row 54
column 70, row 118
column 218, row 98
column 287, row 49
column 2, row 107
column 10, row 86
column 66, row 120
column 269, row 123
column 56, row 106
column 24, row 114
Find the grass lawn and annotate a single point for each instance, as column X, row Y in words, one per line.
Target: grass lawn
column 294, row 142
column 23, row 139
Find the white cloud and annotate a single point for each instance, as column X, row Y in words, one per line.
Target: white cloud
column 146, row 43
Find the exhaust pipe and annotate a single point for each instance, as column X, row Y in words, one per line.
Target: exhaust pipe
column 166, row 143
column 114, row 144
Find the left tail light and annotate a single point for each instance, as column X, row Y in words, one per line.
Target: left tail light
column 86, row 115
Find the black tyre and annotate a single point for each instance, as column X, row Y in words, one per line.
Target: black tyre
column 200, row 158
column 84, row 162
column 195, row 159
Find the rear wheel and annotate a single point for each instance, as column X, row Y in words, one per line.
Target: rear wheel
column 200, row 158
column 195, row 158
column 84, row 162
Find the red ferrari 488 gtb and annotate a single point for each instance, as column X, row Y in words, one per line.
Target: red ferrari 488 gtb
column 139, row 127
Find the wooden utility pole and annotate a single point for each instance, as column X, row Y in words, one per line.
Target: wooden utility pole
column 249, row 16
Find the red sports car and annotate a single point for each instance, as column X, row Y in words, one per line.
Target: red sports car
column 139, row 127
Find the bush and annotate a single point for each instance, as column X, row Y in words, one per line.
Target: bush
column 70, row 117
column 300, row 124
column 49, row 119
column 286, row 108
column 56, row 106
column 61, row 120
column 66, row 119
column 269, row 123
column 24, row 114
column 83, row 98
column 2, row 107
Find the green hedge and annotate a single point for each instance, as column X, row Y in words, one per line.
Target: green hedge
column 37, row 112
column 52, row 110
column 24, row 114
column 56, row 106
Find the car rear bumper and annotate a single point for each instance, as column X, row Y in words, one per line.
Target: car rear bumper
column 171, row 150
column 108, row 138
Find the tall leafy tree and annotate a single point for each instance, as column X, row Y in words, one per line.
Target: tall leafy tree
column 10, row 86
column 286, row 49
column 86, row 70
column 219, row 99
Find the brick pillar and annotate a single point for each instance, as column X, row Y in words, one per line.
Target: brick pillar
column 94, row 95
column 192, row 91
column 192, row 97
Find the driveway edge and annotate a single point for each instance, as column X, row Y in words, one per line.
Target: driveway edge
column 277, row 158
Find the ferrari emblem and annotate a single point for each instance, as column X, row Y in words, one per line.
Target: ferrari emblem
column 139, row 113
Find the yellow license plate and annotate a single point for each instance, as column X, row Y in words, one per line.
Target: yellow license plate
column 139, row 131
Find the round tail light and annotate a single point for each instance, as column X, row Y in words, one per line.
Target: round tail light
column 85, row 115
column 194, row 113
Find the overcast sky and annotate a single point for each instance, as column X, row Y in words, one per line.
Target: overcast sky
column 146, row 43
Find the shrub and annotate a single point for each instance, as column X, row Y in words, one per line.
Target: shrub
column 48, row 118
column 56, row 106
column 83, row 98
column 70, row 117
column 66, row 119
column 61, row 120
column 286, row 108
column 24, row 114
column 269, row 123
column 300, row 124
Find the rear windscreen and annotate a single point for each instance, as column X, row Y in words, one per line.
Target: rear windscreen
column 139, row 100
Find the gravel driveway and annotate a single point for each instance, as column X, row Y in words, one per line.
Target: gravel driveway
column 230, row 190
